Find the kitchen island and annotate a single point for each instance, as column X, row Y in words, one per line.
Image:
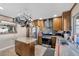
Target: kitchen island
column 25, row 46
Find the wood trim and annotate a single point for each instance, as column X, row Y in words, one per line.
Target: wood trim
column 73, row 6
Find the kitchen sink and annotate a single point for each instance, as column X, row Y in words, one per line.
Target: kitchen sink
column 63, row 42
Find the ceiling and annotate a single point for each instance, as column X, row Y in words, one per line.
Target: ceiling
column 37, row 10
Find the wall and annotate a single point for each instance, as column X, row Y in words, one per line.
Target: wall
column 6, row 18
column 57, row 23
column 8, row 40
column 21, row 31
column 75, row 10
column 73, row 13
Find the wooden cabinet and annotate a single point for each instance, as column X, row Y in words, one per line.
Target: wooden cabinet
column 40, row 40
column 35, row 22
column 41, row 24
column 24, row 49
column 53, row 40
column 57, row 23
column 66, row 17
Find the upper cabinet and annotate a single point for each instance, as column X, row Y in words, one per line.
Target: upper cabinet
column 41, row 24
column 35, row 23
column 66, row 18
column 57, row 23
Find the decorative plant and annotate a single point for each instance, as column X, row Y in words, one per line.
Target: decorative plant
column 24, row 19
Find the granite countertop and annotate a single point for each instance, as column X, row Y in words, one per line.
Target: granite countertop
column 48, row 37
column 65, row 49
column 26, row 40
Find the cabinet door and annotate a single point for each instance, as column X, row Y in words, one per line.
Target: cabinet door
column 24, row 49
column 66, row 21
column 53, row 40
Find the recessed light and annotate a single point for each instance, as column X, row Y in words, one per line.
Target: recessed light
column 1, row 8
column 55, row 16
column 40, row 18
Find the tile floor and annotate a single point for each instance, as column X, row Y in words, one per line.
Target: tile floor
column 8, row 52
column 39, row 51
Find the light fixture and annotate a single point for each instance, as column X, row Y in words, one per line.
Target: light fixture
column 1, row 8
column 40, row 18
column 55, row 16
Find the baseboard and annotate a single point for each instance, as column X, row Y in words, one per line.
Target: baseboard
column 6, row 47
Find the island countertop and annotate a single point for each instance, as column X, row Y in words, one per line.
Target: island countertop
column 26, row 40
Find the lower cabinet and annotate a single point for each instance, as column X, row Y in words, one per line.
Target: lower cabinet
column 53, row 41
column 24, row 49
column 40, row 40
